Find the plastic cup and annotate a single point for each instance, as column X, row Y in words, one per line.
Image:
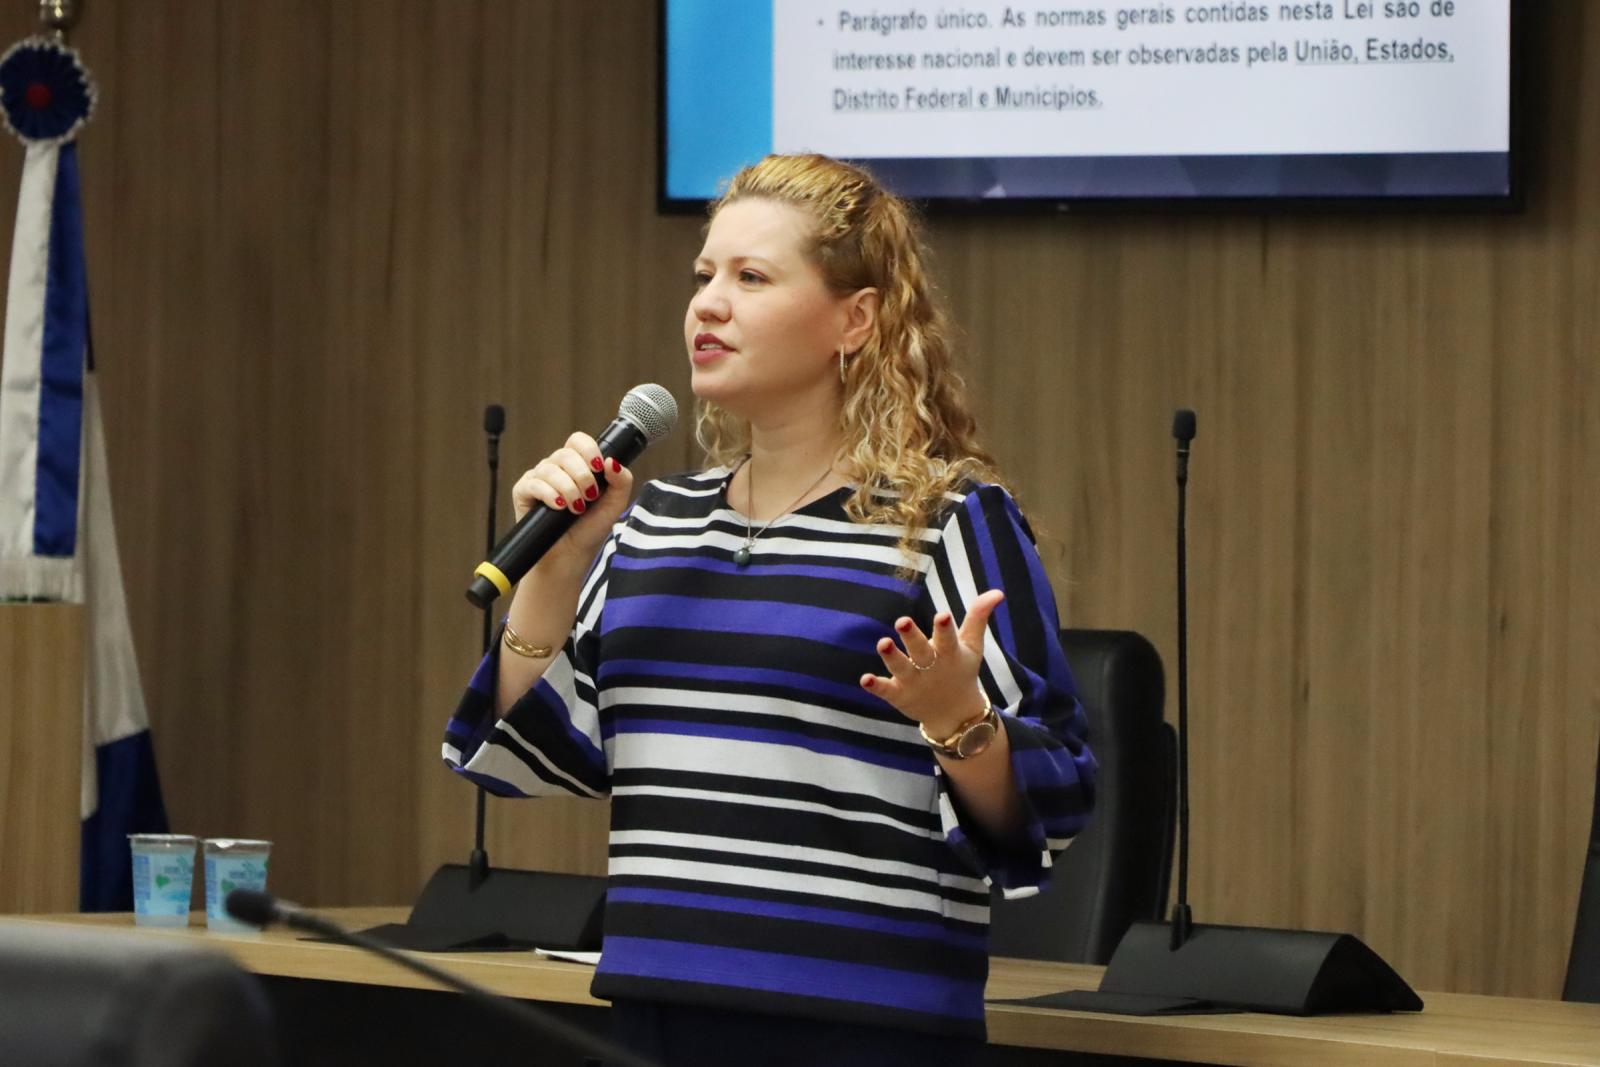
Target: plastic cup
column 233, row 863
column 163, row 878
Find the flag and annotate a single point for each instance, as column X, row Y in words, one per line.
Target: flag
column 57, row 536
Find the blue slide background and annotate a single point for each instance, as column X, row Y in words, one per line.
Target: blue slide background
column 719, row 100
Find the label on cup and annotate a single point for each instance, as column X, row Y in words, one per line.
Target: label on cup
column 163, row 878
column 232, row 863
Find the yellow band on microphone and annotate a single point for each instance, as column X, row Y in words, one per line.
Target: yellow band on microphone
column 491, row 572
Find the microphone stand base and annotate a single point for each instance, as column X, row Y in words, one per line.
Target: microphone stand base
column 461, row 910
column 1286, row 972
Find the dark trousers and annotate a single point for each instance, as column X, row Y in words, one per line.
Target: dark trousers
column 678, row 1035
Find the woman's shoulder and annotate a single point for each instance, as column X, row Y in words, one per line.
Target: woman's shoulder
column 691, row 492
column 989, row 503
column 958, row 512
column 973, row 494
column 708, row 479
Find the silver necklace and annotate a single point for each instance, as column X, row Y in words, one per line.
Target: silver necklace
column 741, row 555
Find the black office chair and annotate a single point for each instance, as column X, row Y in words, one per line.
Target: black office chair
column 1118, row 869
column 106, row 998
column 1583, row 963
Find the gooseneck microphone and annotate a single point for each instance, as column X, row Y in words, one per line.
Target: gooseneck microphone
column 263, row 909
column 645, row 415
column 1183, row 426
column 1181, row 966
column 494, row 424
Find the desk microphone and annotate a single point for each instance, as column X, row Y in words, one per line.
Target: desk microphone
column 1184, row 966
column 1183, row 430
column 263, row 909
column 645, row 415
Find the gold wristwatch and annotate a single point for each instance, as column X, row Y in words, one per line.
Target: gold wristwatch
column 972, row 738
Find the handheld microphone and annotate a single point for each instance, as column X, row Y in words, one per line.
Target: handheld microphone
column 645, row 415
column 263, row 909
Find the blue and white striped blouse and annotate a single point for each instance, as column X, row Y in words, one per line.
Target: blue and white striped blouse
column 782, row 841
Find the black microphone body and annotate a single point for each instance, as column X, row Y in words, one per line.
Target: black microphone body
column 263, row 909
column 525, row 544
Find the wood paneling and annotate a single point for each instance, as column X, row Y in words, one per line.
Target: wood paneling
column 324, row 235
column 41, row 751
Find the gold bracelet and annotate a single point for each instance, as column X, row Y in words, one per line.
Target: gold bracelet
column 522, row 648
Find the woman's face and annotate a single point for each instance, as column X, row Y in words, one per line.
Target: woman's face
column 762, row 328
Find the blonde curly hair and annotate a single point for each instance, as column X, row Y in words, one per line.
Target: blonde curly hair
column 904, row 421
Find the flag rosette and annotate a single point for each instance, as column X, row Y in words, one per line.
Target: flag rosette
column 46, row 93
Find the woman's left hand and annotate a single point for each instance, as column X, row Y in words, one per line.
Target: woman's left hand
column 934, row 681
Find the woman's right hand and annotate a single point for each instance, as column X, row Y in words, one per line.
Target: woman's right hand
column 567, row 480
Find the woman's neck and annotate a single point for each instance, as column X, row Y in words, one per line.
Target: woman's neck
column 787, row 457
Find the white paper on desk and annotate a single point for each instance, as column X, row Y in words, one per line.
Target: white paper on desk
column 591, row 958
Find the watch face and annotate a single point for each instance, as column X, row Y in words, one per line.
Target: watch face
column 976, row 738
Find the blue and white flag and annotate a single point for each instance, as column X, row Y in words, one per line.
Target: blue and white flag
column 57, row 537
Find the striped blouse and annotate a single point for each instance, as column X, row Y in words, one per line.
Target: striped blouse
column 782, row 841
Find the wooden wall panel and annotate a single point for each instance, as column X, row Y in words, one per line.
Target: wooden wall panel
column 324, row 235
column 41, row 752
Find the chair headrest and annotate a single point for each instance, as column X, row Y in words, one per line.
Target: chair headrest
column 117, row 998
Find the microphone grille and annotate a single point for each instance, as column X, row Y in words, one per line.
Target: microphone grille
column 651, row 408
column 1183, row 424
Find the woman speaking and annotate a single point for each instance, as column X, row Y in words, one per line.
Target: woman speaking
column 820, row 679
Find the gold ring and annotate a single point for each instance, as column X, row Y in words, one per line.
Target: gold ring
column 919, row 666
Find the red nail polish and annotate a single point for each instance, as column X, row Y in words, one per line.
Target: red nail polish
column 616, row 468
column 592, row 493
column 560, row 503
column 579, row 506
column 597, row 463
column 904, row 627
column 870, row 681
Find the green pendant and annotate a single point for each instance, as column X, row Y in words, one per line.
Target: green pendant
column 741, row 556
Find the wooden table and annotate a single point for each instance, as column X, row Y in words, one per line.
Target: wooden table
column 1456, row 1030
